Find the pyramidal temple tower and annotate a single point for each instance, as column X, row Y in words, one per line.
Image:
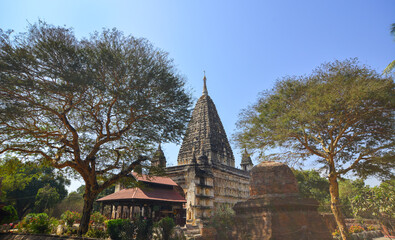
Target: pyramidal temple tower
column 206, row 135
column 206, row 165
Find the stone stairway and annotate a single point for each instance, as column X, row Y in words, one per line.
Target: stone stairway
column 192, row 232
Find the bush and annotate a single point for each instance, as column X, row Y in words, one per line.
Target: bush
column 96, row 233
column 10, row 215
column 371, row 228
column 98, row 218
column 356, row 229
column 223, row 222
column 96, row 226
column 35, row 223
column 40, row 223
column 144, row 229
column 166, row 226
column 120, row 229
column 54, row 223
column 70, row 217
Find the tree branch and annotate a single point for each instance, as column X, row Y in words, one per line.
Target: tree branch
column 123, row 173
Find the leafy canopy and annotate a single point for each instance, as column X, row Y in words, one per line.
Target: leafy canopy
column 87, row 104
column 342, row 114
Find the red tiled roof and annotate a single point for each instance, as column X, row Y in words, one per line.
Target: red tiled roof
column 168, row 195
column 154, row 179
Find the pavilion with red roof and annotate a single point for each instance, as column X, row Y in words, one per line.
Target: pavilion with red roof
column 158, row 197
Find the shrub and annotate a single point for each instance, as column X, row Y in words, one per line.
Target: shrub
column 70, row 217
column 166, row 226
column 96, row 233
column 356, row 229
column 70, row 231
column 144, row 229
column 35, row 223
column 120, row 229
column 41, row 223
column 371, row 228
column 10, row 215
column 223, row 222
column 97, row 218
column 54, row 223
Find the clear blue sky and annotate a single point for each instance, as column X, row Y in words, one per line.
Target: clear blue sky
column 243, row 46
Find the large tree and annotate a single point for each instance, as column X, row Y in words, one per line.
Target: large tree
column 342, row 115
column 95, row 105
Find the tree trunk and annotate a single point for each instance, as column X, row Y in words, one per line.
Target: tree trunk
column 335, row 207
column 89, row 198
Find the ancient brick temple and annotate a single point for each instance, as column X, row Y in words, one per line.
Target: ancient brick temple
column 275, row 211
column 206, row 165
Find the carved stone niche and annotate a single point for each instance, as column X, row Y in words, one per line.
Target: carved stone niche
column 275, row 211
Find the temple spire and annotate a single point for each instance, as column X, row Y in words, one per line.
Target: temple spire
column 159, row 159
column 204, row 84
column 206, row 135
column 246, row 162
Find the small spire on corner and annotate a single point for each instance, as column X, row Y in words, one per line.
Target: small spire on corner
column 204, row 84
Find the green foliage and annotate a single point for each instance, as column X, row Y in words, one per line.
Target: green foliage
column 54, row 223
column 377, row 202
column 98, row 218
column 223, row 222
column 102, row 89
column 70, row 217
column 46, row 198
column 35, row 223
column 312, row 185
column 143, row 229
column 10, row 215
column 348, row 190
column 26, row 184
column 166, row 226
column 16, row 174
column 342, row 113
column 96, row 233
column 390, row 66
column 97, row 226
column 120, row 229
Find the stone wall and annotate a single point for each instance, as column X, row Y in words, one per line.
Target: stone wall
column 230, row 187
column 207, row 187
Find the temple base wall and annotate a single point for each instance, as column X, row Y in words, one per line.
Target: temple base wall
column 208, row 187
